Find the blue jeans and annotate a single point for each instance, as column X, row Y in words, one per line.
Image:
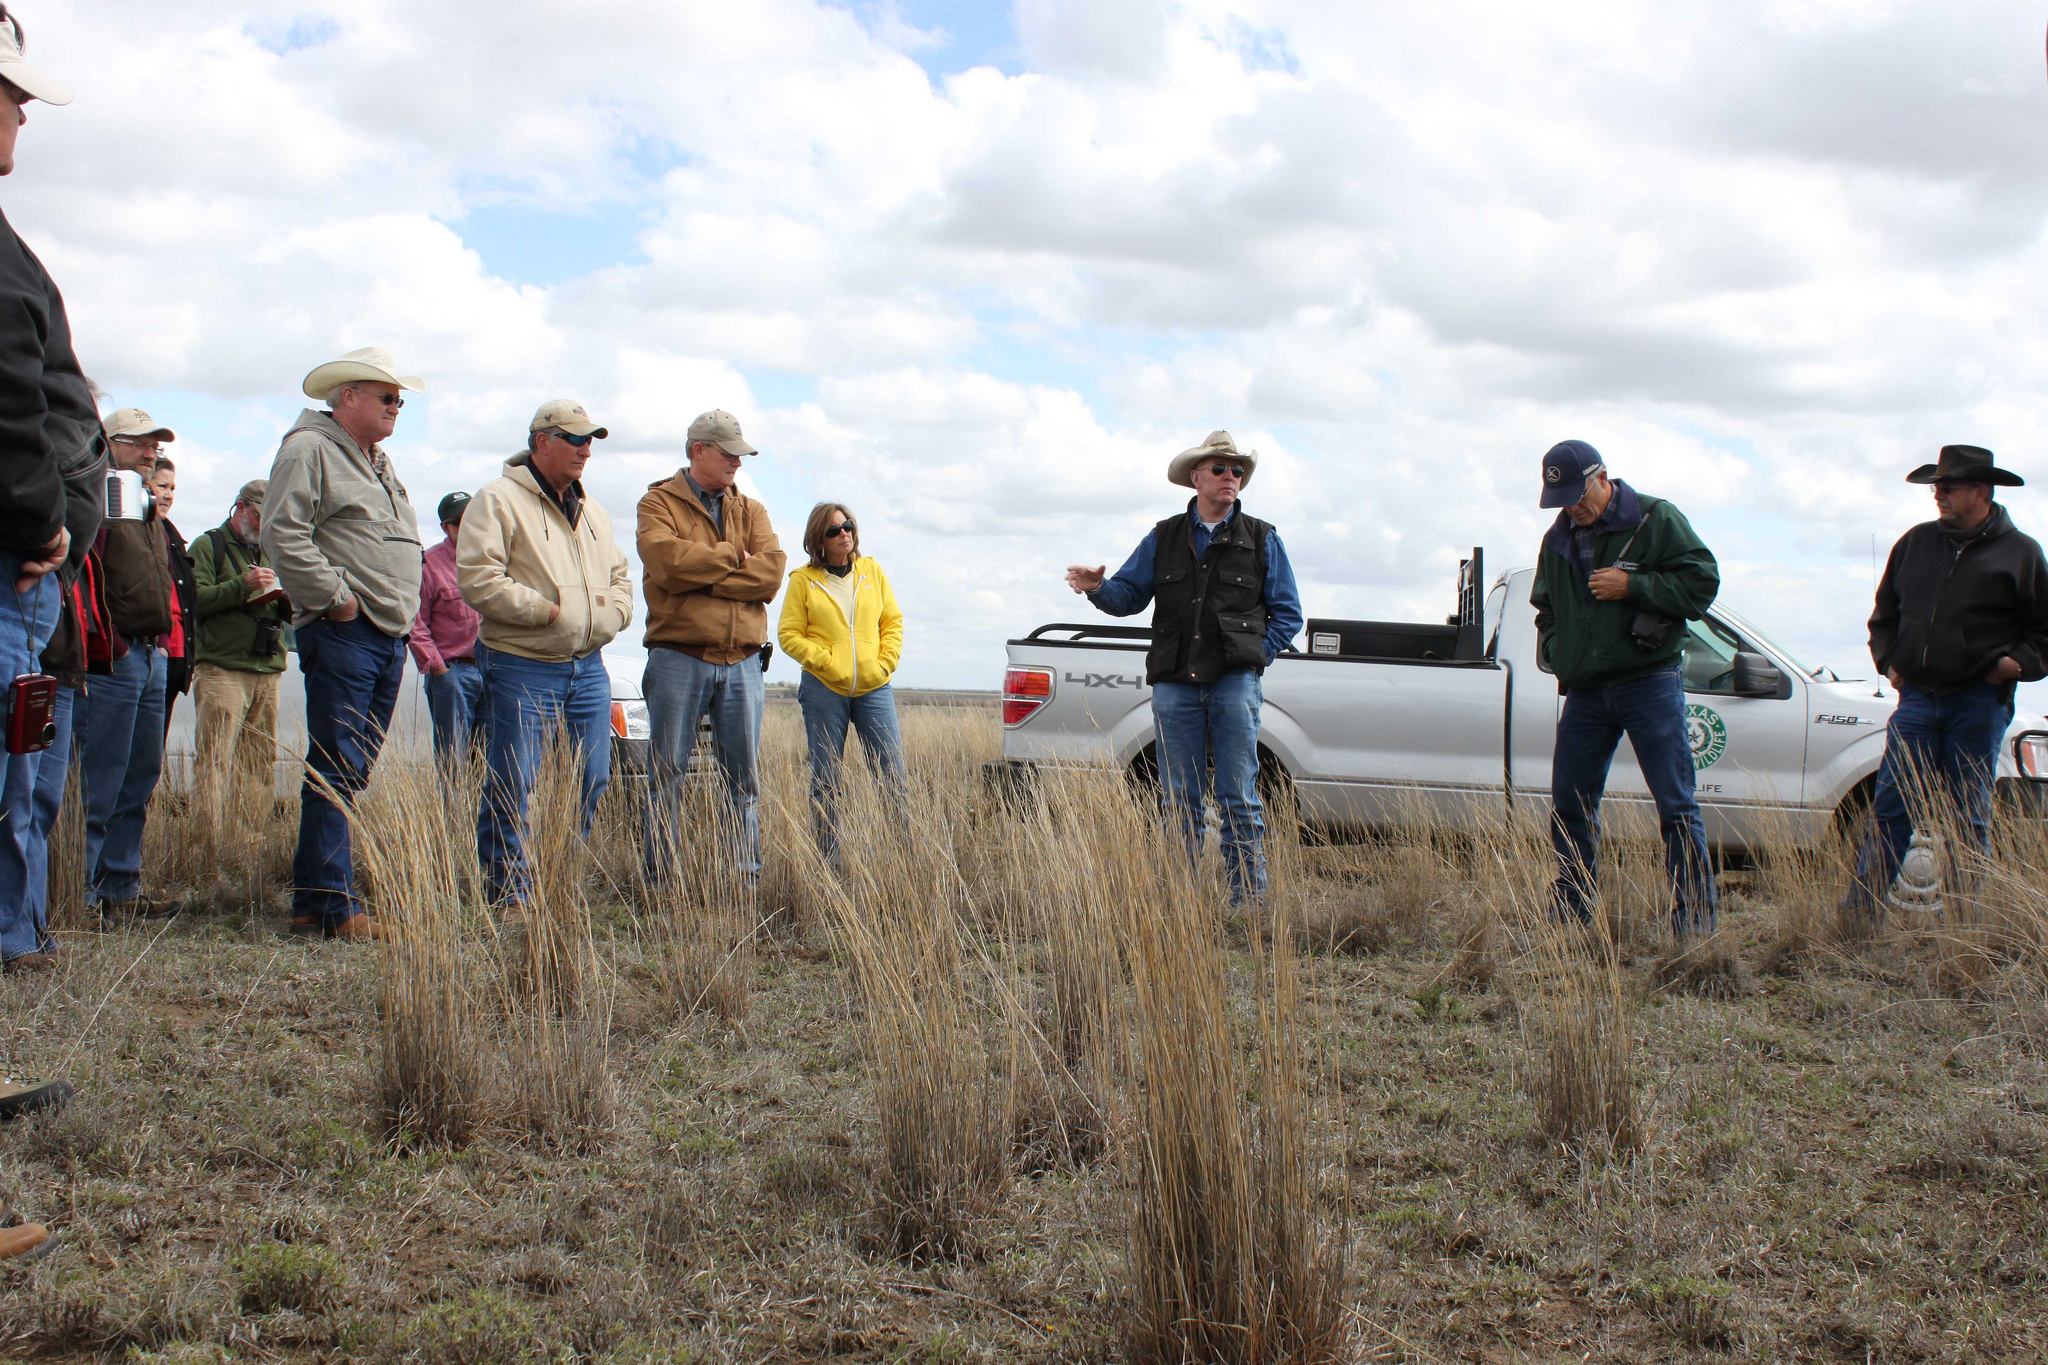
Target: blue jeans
column 120, row 726
column 25, row 627
column 680, row 688
column 454, row 702
column 352, row 671
column 1205, row 727
column 525, row 702
column 1940, row 760
column 1651, row 712
column 826, row 718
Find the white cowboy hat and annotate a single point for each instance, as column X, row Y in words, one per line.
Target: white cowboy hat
column 373, row 364
column 1182, row 470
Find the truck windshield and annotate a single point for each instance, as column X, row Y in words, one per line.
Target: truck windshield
column 1749, row 629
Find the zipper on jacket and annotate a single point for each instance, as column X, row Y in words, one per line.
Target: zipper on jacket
column 1927, row 640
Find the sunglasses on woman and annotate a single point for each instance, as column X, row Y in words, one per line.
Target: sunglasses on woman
column 842, row 528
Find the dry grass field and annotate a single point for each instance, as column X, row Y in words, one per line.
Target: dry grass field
column 1014, row 1087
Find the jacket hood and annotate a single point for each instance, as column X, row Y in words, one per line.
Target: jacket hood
column 313, row 419
column 1995, row 525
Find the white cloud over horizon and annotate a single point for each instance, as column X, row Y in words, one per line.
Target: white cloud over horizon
column 1767, row 257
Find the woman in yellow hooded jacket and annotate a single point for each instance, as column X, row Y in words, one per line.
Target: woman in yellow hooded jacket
column 841, row 622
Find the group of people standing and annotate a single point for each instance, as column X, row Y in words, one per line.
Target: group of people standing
column 1961, row 618
column 507, row 617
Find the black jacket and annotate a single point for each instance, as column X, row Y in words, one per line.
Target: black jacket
column 48, row 421
column 1950, row 608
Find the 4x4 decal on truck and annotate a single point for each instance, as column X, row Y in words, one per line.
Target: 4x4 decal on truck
column 1106, row 679
column 1708, row 735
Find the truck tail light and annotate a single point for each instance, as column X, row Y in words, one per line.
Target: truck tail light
column 2030, row 754
column 1024, row 691
column 629, row 720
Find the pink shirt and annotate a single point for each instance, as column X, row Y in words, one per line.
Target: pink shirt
column 445, row 629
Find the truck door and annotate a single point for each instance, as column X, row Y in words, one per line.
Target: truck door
column 1748, row 753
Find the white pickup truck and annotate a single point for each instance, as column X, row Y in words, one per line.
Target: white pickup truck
column 1377, row 723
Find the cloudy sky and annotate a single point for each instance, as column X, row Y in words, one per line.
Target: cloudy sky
column 979, row 270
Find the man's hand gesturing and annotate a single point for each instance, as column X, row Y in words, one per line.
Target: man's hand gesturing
column 1084, row 580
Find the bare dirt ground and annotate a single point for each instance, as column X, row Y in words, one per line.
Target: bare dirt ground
column 1844, row 1156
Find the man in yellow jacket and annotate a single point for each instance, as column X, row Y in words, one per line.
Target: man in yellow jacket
column 537, row 561
column 711, row 564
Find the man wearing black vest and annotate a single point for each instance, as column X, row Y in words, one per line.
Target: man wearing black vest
column 1224, row 606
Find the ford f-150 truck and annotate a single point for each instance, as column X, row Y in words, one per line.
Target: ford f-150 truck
column 1378, row 723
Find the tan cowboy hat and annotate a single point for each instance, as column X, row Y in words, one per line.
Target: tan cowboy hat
column 372, row 364
column 1182, row 470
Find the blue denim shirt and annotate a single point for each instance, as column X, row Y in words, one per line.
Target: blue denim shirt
column 1128, row 591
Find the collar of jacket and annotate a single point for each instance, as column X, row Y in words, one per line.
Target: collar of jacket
column 1231, row 531
column 679, row 488
column 1994, row 526
column 520, row 471
column 1624, row 512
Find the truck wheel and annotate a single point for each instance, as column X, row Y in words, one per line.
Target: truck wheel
column 1852, row 817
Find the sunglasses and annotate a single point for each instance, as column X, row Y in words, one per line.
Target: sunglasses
column 843, row 528
column 1219, row 470
column 578, row 441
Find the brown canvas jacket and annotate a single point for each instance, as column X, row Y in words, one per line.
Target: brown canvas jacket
column 700, row 599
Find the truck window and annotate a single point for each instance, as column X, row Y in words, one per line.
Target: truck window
column 1710, row 650
column 1496, row 604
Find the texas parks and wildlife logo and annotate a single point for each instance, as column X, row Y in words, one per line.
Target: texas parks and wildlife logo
column 1708, row 735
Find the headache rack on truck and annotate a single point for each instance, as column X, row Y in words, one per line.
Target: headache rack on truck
column 1461, row 639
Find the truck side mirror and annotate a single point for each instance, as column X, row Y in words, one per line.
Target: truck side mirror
column 1756, row 676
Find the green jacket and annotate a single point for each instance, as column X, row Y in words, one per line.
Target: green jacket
column 226, row 626
column 1586, row 642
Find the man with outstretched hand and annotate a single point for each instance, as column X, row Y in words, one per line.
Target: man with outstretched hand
column 1961, row 618
column 50, row 446
column 1619, row 575
column 1224, row 605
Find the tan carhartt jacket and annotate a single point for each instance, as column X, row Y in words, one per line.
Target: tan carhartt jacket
column 517, row 556
column 700, row 599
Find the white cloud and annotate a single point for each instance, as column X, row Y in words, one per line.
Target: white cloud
column 1767, row 257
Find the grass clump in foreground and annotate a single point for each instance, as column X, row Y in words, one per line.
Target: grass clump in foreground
column 1017, row 1088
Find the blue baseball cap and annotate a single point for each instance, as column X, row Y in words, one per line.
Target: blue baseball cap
column 1566, row 467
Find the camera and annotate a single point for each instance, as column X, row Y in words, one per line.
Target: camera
column 1651, row 630
column 127, row 499
column 31, row 714
column 269, row 637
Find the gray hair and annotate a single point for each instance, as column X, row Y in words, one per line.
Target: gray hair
column 334, row 394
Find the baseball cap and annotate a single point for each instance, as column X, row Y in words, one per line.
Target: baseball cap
column 18, row 72
column 253, row 491
column 563, row 414
column 722, row 429
column 453, row 506
column 1566, row 467
column 131, row 421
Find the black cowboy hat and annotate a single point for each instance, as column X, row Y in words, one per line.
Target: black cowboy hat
column 1966, row 464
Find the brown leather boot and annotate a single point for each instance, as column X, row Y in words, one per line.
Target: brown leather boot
column 24, row 1237
column 357, row 928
